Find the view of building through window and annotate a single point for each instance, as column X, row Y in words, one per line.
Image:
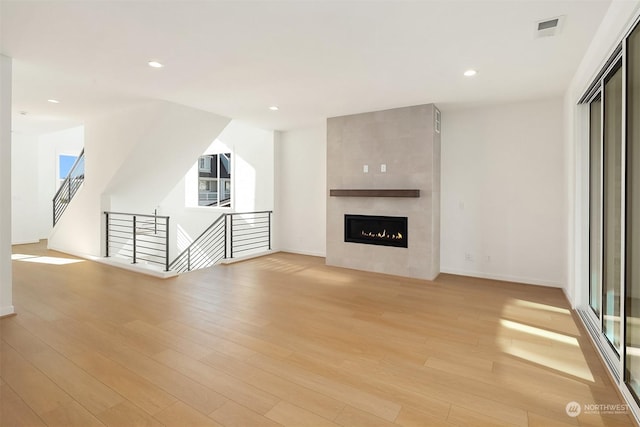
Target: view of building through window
column 214, row 180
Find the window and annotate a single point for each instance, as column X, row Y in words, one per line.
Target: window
column 214, row 180
column 595, row 204
column 205, row 164
column 612, row 207
column 632, row 253
column 65, row 163
column 613, row 315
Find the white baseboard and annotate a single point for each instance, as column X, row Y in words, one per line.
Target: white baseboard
column 247, row 257
column 303, row 252
column 120, row 263
column 505, row 278
column 73, row 253
column 149, row 270
column 25, row 242
column 7, row 310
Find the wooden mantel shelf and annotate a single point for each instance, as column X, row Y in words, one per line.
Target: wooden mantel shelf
column 374, row 193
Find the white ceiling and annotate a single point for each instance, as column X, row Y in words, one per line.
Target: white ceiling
column 314, row 59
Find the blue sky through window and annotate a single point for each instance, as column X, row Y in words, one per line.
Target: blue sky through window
column 65, row 163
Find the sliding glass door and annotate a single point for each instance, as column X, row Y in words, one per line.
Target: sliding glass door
column 632, row 223
column 614, row 214
column 595, row 204
column 612, row 206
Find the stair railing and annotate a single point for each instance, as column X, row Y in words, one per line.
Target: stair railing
column 249, row 232
column 68, row 189
column 138, row 237
column 229, row 235
column 206, row 250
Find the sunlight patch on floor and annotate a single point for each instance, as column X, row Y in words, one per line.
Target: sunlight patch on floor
column 578, row 369
column 557, row 357
column 538, row 306
column 44, row 259
column 327, row 277
column 516, row 326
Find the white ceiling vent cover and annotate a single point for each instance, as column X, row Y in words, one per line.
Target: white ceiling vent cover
column 549, row 27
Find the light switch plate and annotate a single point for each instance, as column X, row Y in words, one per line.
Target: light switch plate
column 365, row 169
column 383, row 168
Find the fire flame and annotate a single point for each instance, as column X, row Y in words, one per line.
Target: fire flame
column 383, row 235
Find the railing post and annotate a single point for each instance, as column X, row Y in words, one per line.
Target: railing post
column 68, row 181
column 155, row 221
column 106, row 234
column 231, row 235
column 54, row 212
column 189, row 258
column 166, row 233
column 225, row 236
column 134, row 240
column 269, row 230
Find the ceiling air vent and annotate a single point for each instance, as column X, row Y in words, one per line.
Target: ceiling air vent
column 549, row 27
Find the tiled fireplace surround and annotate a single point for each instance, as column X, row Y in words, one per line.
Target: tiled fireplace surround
column 405, row 140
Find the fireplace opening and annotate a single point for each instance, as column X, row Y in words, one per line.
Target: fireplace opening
column 376, row 230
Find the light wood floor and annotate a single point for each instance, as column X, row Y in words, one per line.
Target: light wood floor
column 285, row 340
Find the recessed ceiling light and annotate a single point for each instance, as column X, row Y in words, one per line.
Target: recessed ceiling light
column 53, row 101
column 274, row 108
column 470, row 73
column 155, row 64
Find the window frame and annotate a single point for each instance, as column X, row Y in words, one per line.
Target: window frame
column 221, row 182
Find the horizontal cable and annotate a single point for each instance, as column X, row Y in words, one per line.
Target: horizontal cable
column 136, row 214
column 249, row 249
column 256, row 228
column 121, row 240
column 116, row 229
column 249, row 223
column 250, row 244
column 250, row 239
column 251, row 233
column 155, row 255
column 151, row 240
column 236, row 251
column 150, row 249
column 263, row 220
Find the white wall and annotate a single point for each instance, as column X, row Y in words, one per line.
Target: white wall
column 24, row 188
column 614, row 25
column 50, row 146
column 503, row 194
column 132, row 159
column 34, row 180
column 170, row 138
column 252, row 168
column 6, row 291
column 301, row 190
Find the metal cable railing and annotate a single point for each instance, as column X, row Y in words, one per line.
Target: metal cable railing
column 138, row 237
column 229, row 235
column 207, row 250
column 249, row 232
column 68, row 189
